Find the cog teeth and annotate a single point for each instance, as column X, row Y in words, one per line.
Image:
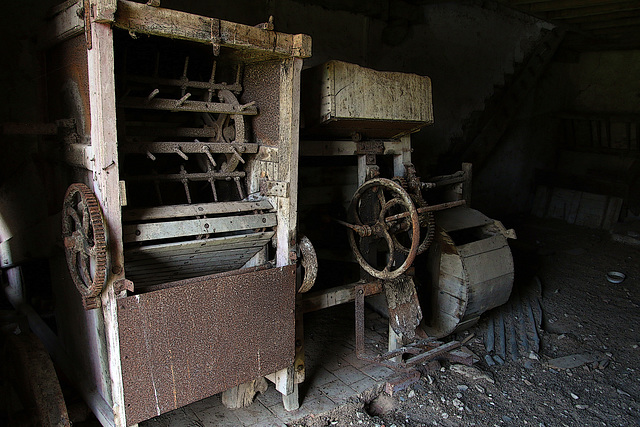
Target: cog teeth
column 90, row 291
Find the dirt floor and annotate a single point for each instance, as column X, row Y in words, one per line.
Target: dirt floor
column 583, row 315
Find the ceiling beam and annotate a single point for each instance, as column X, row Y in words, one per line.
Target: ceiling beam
column 614, row 23
column 603, row 17
column 593, row 10
column 557, row 5
column 632, row 31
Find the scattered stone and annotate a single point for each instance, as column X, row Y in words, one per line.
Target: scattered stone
column 507, row 419
column 582, row 406
column 533, row 356
column 498, row 360
column 381, row 405
column 463, row 387
column 623, row 393
column 411, row 394
column 574, row 396
column 572, row 361
column 489, row 360
column 458, row 404
column 459, row 395
column 527, row 382
column 445, row 415
column 603, row 363
column 472, row 372
column 479, row 388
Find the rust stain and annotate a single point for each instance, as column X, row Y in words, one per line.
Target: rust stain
column 182, row 344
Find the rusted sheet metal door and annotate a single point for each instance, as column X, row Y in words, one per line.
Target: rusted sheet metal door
column 183, row 344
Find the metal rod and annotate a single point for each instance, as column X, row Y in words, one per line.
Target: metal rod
column 425, row 209
column 188, row 106
column 193, row 84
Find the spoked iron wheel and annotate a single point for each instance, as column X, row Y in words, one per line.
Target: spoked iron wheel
column 383, row 212
column 84, row 242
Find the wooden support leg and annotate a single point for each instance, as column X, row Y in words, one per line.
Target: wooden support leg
column 299, row 362
column 284, row 380
column 242, row 396
column 291, row 401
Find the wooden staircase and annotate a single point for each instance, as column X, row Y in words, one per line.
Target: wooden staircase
column 484, row 129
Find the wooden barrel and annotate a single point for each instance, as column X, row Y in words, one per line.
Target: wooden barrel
column 471, row 271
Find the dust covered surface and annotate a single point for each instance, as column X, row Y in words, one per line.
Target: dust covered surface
column 583, row 316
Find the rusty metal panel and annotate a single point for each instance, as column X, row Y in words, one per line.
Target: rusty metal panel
column 183, row 344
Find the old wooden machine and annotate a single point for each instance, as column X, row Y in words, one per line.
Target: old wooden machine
column 179, row 141
column 439, row 263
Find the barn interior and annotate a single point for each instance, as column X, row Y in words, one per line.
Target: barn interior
column 538, row 101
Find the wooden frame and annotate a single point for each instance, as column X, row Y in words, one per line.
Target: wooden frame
column 98, row 165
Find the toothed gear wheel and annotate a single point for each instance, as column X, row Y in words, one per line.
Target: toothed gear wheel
column 427, row 226
column 402, row 181
column 85, row 243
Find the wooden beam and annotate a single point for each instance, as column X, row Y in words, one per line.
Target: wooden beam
column 555, row 5
column 593, row 10
column 66, row 22
column 337, row 295
column 345, row 148
column 194, row 227
column 180, row 211
column 100, row 60
column 614, row 23
column 103, row 10
column 603, row 17
column 140, row 18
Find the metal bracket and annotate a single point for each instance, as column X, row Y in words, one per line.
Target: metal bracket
column 86, row 9
column 274, row 188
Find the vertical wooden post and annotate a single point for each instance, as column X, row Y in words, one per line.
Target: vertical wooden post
column 287, row 208
column 106, row 177
column 399, row 162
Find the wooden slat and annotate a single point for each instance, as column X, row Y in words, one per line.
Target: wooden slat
column 173, row 229
column 343, row 148
column 190, row 262
column 197, row 246
column 481, row 246
column 139, row 18
column 180, row 211
column 488, row 265
column 66, row 23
